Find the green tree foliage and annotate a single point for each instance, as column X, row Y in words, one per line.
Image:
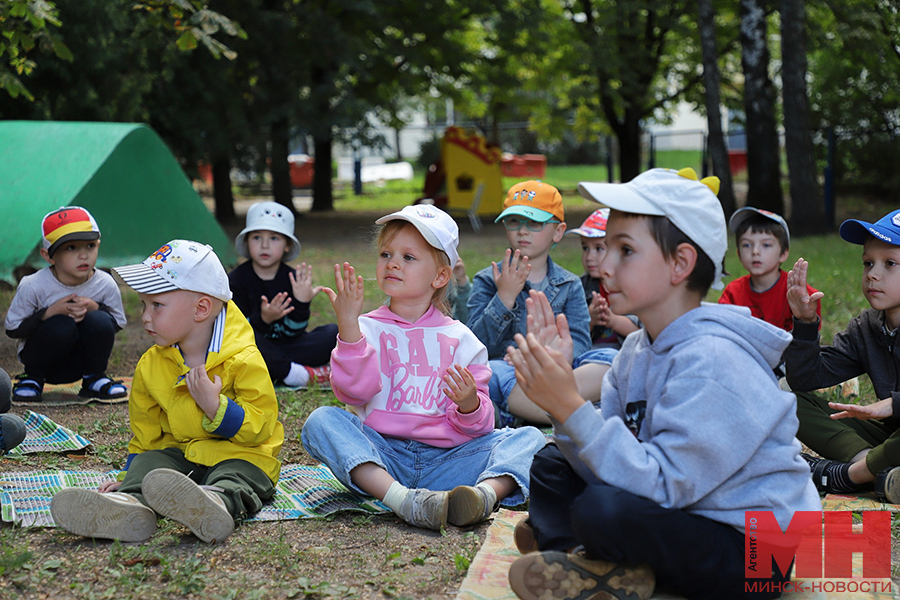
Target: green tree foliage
column 25, row 25
column 855, row 88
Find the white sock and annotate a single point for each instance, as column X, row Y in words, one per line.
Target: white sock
column 395, row 496
column 298, row 376
column 489, row 491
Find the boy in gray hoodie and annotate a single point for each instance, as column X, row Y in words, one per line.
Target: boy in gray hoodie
column 694, row 429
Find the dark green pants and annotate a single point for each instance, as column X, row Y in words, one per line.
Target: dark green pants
column 842, row 439
column 244, row 485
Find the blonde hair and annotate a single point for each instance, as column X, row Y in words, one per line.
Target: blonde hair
column 388, row 231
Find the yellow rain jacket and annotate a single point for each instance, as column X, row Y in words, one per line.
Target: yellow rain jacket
column 164, row 415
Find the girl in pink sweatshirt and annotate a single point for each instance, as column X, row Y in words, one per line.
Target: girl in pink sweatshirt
column 419, row 434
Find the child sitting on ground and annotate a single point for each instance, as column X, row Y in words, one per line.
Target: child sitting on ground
column 415, row 381
column 533, row 217
column 66, row 315
column 763, row 242
column 694, row 429
column 607, row 329
column 859, row 443
column 203, row 411
column 275, row 298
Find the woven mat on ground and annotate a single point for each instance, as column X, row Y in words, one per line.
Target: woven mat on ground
column 302, row 492
column 488, row 575
column 66, row 394
column 43, row 435
column 857, row 503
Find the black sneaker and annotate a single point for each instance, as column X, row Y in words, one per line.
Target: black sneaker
column 821, row 470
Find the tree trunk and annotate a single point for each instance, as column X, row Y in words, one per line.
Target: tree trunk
column 322, row 197
column 711, row 81
column 628, row 134
column 807, row 205
column 280, row 167
column 224, row 198
column 397, row 144
column 763, row 169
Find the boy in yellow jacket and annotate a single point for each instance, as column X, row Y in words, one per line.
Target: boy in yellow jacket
column 203, row 411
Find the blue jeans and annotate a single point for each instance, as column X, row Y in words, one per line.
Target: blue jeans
column 339, row 439
column 503, row 379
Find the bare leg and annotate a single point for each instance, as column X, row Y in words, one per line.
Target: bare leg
column 859, row 471
column 588, row 377
column 372, row 479
column 503, row 486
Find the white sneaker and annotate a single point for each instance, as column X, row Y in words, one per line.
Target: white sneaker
column 176, row 496
column 114, row 515
column 468, row 505
column 425, row 508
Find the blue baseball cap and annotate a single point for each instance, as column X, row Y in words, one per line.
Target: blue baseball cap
column 886, row 229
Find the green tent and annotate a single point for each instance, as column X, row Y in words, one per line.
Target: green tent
column 121, row 172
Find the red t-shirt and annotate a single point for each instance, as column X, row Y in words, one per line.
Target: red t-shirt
column 770, row 306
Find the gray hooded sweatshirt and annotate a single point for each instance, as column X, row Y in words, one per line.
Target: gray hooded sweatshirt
column 695, row 420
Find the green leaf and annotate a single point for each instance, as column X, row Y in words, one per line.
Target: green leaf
column 186, row 41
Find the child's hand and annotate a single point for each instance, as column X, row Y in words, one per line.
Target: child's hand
column 551, row 331
column 545, row 376
column 459, row 273
column 347, row 300
column 79, row 306
column 599, row 310
column 803, row 305
column 511, row 280
column 277, row 308
column 301, row 283
column 109, row 486
column 204, row 391
column 877, row 410
column 461, row 388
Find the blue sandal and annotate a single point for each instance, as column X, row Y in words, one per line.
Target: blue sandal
column 110, row 389
column 27, row 389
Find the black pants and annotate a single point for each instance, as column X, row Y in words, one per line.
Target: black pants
column 690, row 555
column 312, row 349
column 62, row 351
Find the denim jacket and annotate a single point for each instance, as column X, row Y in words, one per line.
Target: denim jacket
column 495, row 325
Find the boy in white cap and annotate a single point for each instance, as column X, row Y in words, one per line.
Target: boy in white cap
column 275, row 298
column 534, row 219
column 202, row 409
column 860, row 444
column 65, row 317
column 763, row 242
column 694, row 429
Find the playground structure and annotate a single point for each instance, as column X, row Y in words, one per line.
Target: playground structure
column 467, row 178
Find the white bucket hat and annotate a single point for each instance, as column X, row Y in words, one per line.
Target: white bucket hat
column 269, row 216
column 691, row 205
column 179, row 265
column 437, row 227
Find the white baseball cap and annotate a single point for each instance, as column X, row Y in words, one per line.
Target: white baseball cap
column 437, row 227
column 179, row 265
column 269, row 216
column 691, row 205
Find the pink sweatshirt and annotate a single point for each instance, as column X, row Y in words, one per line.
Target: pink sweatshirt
column 391, row 378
